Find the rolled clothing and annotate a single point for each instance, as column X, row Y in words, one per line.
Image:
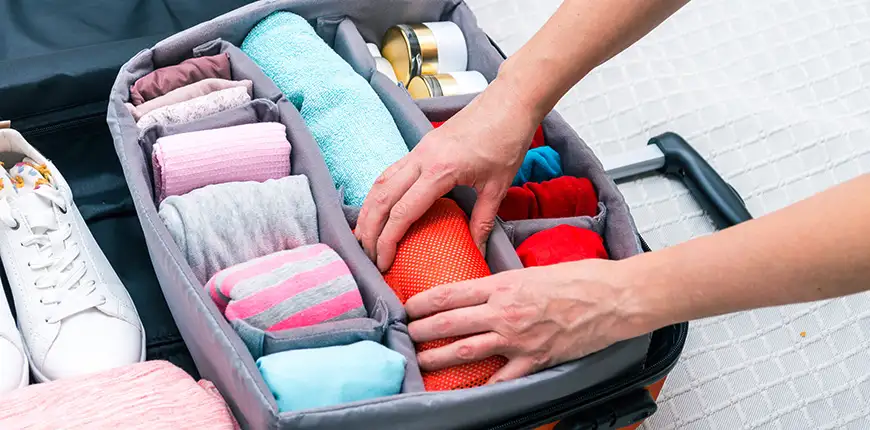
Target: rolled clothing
column 146, row 396
column 354, row 130
column 297, row 288
column 257, row 110
column 196, row 108
column 539, row 165
column 187, row 92
column 319, row 377
column 166, row 79
column 561, row 244
column 562, row 197
column 538, row 138
column 436, row 250
column 249, row 152
column 222, row 225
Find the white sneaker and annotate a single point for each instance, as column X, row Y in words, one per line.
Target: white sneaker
column 13, row 361
column 74, row 313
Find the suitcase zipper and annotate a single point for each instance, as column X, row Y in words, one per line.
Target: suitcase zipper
column 56, row 126
column 565, row 405
column 50, row 122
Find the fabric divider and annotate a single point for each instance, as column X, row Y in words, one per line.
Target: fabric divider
column 578, row 160
column 257, row 110
column 413, row 125
column 620, row 233
column 223, row 357
column 306, row 159
column 520, row 230
column 332, row 333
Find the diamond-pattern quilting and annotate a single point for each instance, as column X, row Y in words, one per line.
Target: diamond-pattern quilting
column 776, row 96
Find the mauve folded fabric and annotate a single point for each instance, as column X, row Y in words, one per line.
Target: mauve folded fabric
column 166, row 79
column 187, row 92
column 222, row 225
column 297, row 288
column 561, row 244
column 537, row 139
column 249, row 152
column 195, row 108
column 320, row 377
column 437, row 250
column 352, row 127
column 562, row 197
column 540, row 164
column 146, row 396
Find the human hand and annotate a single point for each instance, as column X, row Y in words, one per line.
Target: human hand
column 536, row 317
column 482, row 146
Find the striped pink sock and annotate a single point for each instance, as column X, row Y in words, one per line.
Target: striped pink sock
column 297, row 288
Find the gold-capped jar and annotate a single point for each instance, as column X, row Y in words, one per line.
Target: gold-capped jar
column 446, row 84
column 425, row 49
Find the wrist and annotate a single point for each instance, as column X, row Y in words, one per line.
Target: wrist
column 644, row 304
column 521, row 87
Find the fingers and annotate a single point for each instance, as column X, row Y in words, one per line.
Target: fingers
column 387, row 190
column 515, row 368
column 449, row 296
column 483, row 215
column 468, row 350
column 416, row 201
column 458, row 322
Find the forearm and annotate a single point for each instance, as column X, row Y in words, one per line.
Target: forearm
column 581, row 35
column 816, row 249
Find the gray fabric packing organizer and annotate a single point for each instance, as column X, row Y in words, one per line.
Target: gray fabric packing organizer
column 224, row 358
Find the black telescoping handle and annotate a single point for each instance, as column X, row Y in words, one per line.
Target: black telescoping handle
column 716, row 197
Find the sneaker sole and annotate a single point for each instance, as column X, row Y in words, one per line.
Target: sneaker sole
column 42, row 378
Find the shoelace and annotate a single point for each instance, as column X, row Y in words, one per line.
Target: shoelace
column 61, row 285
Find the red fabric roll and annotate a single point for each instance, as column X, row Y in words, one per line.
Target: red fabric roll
column 565, row 196
column 437, row 250
column 561, row 244
column 537, row 139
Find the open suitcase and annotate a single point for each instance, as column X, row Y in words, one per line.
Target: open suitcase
column 604, row 390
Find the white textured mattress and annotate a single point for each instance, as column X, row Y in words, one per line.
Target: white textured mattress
column 776, row 96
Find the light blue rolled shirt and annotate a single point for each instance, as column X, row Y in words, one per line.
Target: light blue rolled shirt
column 319, row 377
column 354, row 130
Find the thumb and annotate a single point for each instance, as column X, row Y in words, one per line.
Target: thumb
column 483, row 216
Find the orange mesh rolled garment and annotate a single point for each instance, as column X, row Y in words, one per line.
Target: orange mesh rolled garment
column 437, row 250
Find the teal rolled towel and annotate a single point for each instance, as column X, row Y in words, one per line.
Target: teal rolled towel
column 356, row 133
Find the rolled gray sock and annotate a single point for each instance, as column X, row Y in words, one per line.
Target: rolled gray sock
column 221, row 225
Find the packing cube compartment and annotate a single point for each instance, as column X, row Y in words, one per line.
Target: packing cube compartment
column 224, row 358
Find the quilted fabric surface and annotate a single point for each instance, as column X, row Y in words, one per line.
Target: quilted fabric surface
column 776, row 96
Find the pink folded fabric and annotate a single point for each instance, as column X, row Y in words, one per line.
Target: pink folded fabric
column 148, row 396
column 166, row 79
column 188, row 92
column 297, row 288
column 248, row 152
column 195, row 108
